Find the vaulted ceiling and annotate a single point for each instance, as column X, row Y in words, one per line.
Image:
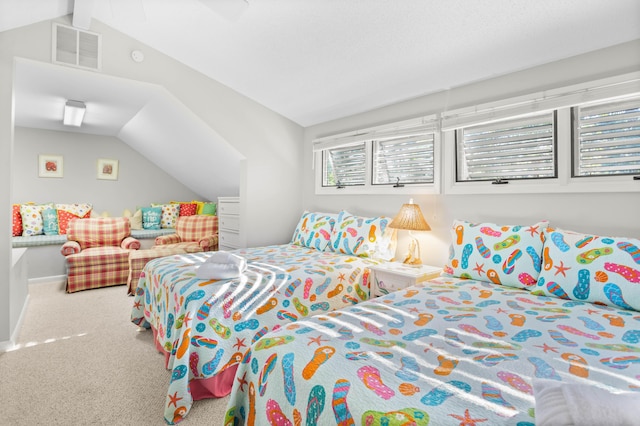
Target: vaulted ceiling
column 317, row 60
column 310, row 61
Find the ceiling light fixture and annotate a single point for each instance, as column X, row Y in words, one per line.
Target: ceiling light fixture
column 74, row 113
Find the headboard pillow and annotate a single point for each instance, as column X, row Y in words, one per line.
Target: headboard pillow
column 314, row 230
column 363, row 236
column 503, row 254
column 590, row 268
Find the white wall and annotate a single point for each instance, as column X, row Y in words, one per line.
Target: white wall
column 270, row 143
column 139, row 181
column 611, row 213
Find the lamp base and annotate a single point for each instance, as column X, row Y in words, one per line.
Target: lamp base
column 414, row 264
column 413, row 257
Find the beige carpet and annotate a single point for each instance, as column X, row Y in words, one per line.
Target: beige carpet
column 80, row 361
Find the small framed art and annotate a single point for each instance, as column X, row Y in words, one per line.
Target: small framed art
column 50, row 166
column 107, row 169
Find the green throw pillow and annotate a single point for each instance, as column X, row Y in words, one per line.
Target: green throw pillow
column 209, row 209
column 151, row 217
column 50, row 221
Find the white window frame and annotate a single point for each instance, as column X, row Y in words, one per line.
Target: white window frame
column 560, row 100
column 606, row 105
column 369, row 135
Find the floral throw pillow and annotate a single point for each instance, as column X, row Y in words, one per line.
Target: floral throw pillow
column 32, row 223
column 169, row 216
column 503, row 254
column 360, row 236
column 314, row 230
column 590, row 268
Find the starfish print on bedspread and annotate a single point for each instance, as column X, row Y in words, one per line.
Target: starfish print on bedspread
column 317, row 340
column 174, row 399
column 467, row 420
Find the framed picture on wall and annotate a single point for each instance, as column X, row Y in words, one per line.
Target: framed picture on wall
column 107, row 169
column 50, row 166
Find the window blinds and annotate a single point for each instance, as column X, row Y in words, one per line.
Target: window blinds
column 520, row 148
column 404, row 160
column 403, row 152
column 607, row 138
column 344, row 166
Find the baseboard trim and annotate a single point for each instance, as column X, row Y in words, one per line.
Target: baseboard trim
column 53, row 279
column 14, row 335
column 7, row 346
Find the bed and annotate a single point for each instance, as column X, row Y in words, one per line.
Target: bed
column 205, row 326
column 469, row 349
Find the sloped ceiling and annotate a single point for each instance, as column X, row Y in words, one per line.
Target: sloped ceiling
column 311, row 61
column 144, row 116
column 317, row 60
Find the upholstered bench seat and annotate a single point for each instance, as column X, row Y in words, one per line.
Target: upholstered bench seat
column 139, row 258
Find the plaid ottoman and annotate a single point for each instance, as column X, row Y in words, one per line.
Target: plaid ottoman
column 139, row 258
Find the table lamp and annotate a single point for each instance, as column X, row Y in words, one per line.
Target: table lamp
column 410, row 218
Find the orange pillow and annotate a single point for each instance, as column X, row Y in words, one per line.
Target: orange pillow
column 16, row 221
column 64, row 217
column 188, row 209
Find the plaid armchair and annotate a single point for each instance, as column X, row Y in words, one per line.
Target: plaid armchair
column 97, row 252
column 193, row 234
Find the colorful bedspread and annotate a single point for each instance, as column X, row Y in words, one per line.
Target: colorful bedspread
column 446, row 352
column 206, row 326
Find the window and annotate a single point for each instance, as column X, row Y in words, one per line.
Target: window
column 385, row 159
column 517, row 148
column 404, row 160
column 606, row 138
column 579, row 138
column 344, row 166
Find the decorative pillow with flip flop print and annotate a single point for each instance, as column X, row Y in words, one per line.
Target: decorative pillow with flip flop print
column 590, row 268
column 361, row 236
column 503, row 254
column 314, row 230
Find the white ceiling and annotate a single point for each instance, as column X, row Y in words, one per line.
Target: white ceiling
column 317, row 60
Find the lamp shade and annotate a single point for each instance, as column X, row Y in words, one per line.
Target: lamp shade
column 410, row 218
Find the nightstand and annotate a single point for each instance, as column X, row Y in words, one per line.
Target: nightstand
column 394, row 276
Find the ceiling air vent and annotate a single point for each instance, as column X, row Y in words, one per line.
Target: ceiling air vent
column 75, row 47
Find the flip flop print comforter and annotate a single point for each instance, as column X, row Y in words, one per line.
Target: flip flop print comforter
column 445, row 352
column 206, row 326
